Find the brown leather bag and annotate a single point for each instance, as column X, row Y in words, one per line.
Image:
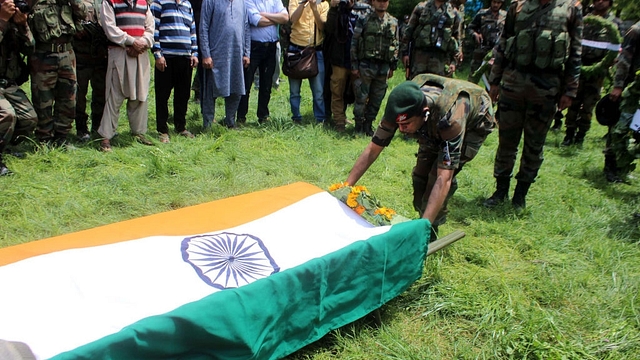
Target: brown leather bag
column 300, row 64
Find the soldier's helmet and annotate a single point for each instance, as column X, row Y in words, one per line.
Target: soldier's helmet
column 607, row 111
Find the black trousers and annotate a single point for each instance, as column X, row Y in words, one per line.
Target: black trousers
column 177, row 76
column 263, row 58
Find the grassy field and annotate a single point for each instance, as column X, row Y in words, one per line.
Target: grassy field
column 559, row 281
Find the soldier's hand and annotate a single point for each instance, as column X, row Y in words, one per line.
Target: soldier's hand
column 565, row 102
column 451, row 69
column 7, row 9
column 207, row 63
column 478, row 38
column 194, row 61
column 355, row 73
column 19, row 18
column 161, row 64
column 494, row 90
column 615, row 93
column 405, row 60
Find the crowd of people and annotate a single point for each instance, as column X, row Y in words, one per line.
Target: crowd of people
column 538, row 51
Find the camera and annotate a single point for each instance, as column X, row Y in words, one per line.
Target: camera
column 23, row 6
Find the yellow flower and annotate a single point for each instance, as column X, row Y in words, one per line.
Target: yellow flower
column 360, row 209
column 351, row 200
column 337, row 186
column 386, row 212
column 359, row 188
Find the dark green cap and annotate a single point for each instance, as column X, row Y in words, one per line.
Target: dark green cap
column 405, row 100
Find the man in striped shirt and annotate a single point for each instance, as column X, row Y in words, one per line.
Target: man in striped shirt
column 175, row 49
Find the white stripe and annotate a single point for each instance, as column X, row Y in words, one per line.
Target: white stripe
column 601, row 45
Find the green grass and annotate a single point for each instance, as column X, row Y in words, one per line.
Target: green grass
column 559, row 281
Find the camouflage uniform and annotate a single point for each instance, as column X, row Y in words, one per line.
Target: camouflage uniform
column 17, row 117
column 90, row 47
column 53, row 66
column 490, row 26
column 457, row 108
column 627, row 77
column 580, row 112
column 374, row 53
column 537, row 60
column 431, row 39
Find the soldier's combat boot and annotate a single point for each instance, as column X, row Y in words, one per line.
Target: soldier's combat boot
column 3, row 168
column 569, row 137
column 519, row 195
column 358, row 126
column 367, row 127
column 557, row 124
column 611, row 169
column 500, row 195
column 579, row 139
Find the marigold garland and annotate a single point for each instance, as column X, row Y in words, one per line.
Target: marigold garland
column 364, row 204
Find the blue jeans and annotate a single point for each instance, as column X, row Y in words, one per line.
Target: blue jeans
column 317, row 89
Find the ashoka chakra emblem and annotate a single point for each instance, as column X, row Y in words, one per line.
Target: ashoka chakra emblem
column 228, row 260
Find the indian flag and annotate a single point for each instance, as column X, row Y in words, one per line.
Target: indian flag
column 256, row 276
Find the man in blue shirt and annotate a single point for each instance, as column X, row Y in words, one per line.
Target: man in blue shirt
column 264, row 17
column 176, row 51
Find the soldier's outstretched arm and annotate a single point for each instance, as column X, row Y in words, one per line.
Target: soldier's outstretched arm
column 368, row 157
column 438, row 194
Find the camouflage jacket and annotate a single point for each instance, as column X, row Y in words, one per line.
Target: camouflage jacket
column 629, row 58
column 375, row 39
column 53, row 19
column 562, row 26
column 489, row 25
column 14, row 40
column 432, row 28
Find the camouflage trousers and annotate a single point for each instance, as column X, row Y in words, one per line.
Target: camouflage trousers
column 94, row 70
column 526, row 107
column 370, row 89
column 428, row 62
column 581, row 111
column 17, row 117
column 53, row 92
column 425, row 172
column 619, row 143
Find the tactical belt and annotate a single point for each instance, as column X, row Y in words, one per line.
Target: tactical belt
column 54, row 47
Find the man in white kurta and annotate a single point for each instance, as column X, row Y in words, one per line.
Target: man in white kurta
column 128, row 76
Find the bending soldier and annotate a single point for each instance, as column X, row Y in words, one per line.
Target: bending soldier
column 450, row 118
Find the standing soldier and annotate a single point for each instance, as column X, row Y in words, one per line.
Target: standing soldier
column 90, row 47
column 431, row 42
column 53, row 66
column 17, row 117
column 374, row 57
column 619, row 160
column 536, row 70
column 485, row 29
column 581, row 109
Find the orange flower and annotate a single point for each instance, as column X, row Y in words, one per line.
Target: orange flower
column 360, row 209
column 352, row 201
column 337, row 186
column 386, row 212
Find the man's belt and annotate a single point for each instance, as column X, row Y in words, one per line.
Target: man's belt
column 54, row 47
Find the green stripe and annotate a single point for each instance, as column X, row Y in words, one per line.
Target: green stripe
column 275, row 316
